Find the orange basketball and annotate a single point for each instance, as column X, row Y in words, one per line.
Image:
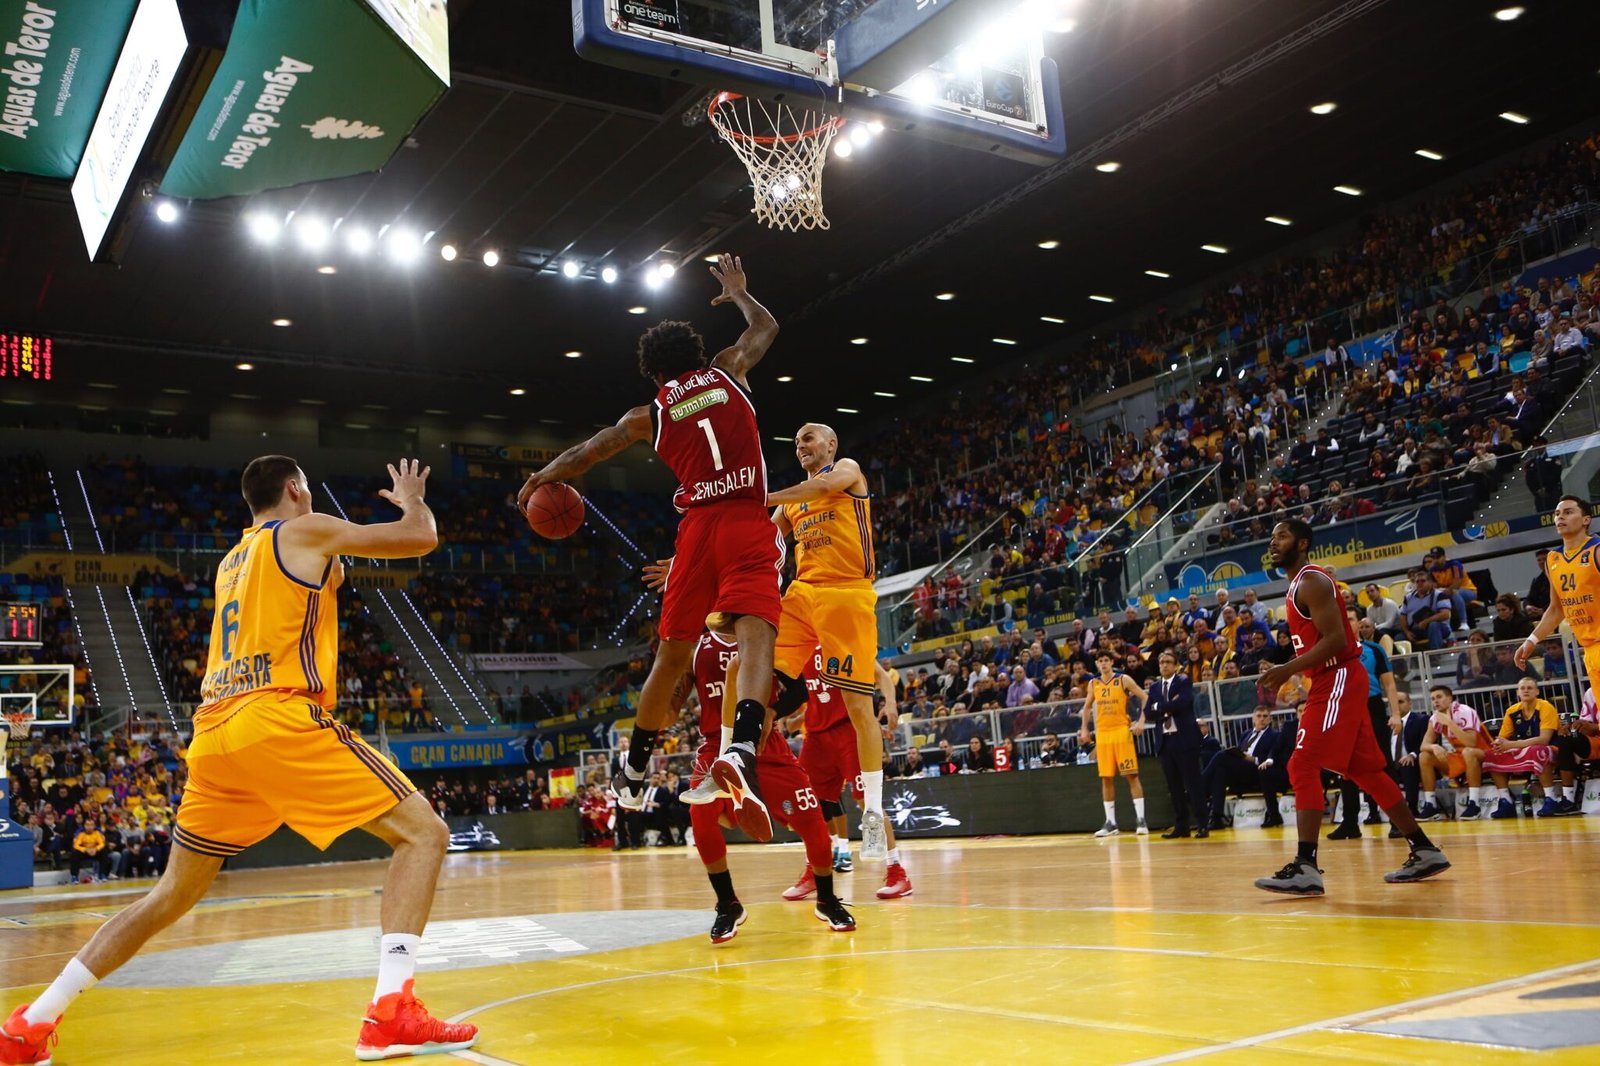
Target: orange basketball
column 555, row 510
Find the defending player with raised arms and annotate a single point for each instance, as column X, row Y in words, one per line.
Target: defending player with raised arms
column 267, row 752
column 1335, row 727
column 831, row 603
column 727, row 560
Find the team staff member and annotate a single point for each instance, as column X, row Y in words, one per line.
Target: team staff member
column 1171, row 710
column 266, row 752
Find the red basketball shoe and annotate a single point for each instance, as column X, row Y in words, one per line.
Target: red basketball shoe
column 21, row 1042
column 895, row 883
column 804, row 888
column 398, row 1025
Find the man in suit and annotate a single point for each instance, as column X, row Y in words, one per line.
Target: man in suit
column 1171, row 709
column 1405, row 746
column 1240, row 768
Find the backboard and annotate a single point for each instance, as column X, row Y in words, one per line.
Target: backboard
column 44, row 689
column 967, row 72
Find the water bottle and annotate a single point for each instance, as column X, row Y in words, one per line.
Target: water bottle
column 1527, row 802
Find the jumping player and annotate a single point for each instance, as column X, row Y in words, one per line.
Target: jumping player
column 1335, row 728
column 831, row 603
column 1105, row 714
column 1574, row 572
column 829, row 756
column 793, row 800
column 727, row 560
column 266, row 752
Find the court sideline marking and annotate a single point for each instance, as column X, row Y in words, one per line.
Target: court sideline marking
column 1346, row 1020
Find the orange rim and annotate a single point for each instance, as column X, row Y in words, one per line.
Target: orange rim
column 726, row 97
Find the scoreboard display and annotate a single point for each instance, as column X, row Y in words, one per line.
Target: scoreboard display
column 27, row 355
column 20, row 623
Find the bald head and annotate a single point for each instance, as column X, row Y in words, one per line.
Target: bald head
column 815, row 445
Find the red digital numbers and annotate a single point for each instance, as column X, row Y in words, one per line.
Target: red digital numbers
column 23, row 355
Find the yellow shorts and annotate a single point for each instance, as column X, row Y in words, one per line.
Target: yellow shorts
column 843, row 620
column 1114, row 754
column 277, row 761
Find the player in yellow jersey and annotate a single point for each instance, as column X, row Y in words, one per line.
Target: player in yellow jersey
column 831, row 603
column 1574, row 587
column 266, row 752
column 1105, row 713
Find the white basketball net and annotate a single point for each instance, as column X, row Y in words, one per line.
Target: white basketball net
column 784, row 151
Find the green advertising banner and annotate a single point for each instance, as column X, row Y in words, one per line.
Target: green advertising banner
column 307, row 92
column 56, row 58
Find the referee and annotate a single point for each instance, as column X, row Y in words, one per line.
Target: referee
column 1384, row 709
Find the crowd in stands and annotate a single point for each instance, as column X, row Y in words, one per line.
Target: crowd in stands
column 30, row 506
column 98, row 807
column 460, row 796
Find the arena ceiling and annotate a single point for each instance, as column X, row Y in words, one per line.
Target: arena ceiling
column 546, row 157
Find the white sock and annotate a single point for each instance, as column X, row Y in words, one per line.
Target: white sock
column 1486, row 793
column 1138, row 808
column 1502, row 793
column 872, row 790
column 73, row 981
column 841, row 845
column 894, row 856
column 727, row 738
column 1111, row 812
column 1558, row 792
column 397, row 962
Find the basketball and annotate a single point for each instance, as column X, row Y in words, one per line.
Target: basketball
column 555, row 510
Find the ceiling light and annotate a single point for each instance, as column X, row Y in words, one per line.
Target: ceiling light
column 497, row 418
column 1218, row 249
column 1515, row 116
column 244, row 366
column 358, row 240
column 885, row 395
column 1279, row 220
column 847, row 410
column 519, row 392
column 1428, row 154
column 713, row 259
column 282, row 322
column 1050, row 246
column 785, row 379
column 1063, row 25
column 1097, row 298
column 447, row 252
column 1509, row 14
column 1110, row 166
column 312, row 232
column 666, row 270
column 403, row 245
column 875, row 126
column 843, row 148
column 784, row 440
column 433, row 411
column 175, row 392
column 945, row 296
column 570, row 269
column 1158, row 273
column 961, row 359
column 315, row 403
column 327, row 268
column 374, row 407
column 491, row 258
column 263, row 227
column 102, row 385
column 574, row 355
column 1004, row 340
column 1052, row 319
column 642, row 310
column 1348, row 190
column 859, row 134
column 240, row 396
column 919, row 377
column 1327, row 107
column 608, row 275
column 921, row 89
column 167, row 211
column 858, row 340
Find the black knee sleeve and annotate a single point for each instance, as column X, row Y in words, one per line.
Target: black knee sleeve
column 791, row 694
column 831, row 810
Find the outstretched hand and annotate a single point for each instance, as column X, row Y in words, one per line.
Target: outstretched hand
column 655, row 574
column 410, row 483
column 729, row 270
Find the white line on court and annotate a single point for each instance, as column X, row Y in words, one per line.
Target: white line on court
column 1346, row 1020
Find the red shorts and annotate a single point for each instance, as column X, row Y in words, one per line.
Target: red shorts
column 784, row 786
column 831, row 760
column 728, row 558
column 1336, row 728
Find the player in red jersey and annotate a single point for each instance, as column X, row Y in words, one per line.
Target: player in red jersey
column 1335, row 728
column 728, row 557
column 788, row 789
column 829, row 756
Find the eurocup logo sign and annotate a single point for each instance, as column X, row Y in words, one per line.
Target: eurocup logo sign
column 910, row 817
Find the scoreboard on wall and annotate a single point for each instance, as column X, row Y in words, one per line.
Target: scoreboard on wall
column 27, row 355
column 20, row 624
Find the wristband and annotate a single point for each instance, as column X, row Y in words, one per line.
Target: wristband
column 1531, row 639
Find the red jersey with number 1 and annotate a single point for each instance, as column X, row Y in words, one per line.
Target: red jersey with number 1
column 706, row 433
column 1303, row 632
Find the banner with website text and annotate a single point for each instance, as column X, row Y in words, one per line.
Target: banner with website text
column 307, row 92
column 56, row 58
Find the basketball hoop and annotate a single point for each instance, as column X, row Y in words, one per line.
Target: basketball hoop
column 784, row 150
column 18, row 725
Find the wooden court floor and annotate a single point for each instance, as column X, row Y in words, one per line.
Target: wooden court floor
column 1051, row 949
